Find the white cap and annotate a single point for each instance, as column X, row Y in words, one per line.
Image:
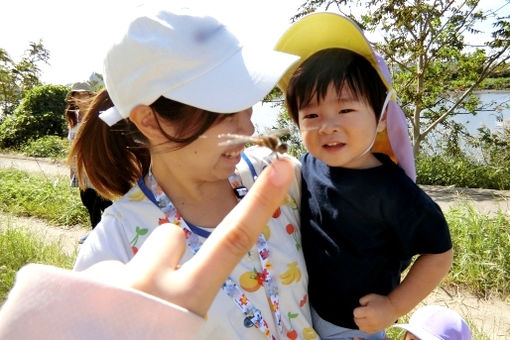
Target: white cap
column 189, row 58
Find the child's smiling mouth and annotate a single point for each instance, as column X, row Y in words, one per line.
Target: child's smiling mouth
column 333, row 145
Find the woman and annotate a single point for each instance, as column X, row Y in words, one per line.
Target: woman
column 184, row 81
column 78, row 99
column 131, row 301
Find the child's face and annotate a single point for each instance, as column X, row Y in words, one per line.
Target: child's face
column 340, row 129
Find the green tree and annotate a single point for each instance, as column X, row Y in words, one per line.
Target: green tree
column 40, row 113
column 8, row 92
column 96, row 81
column 435, row 70
column 17, row 78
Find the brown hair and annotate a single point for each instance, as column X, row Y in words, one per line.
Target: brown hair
column 113, row 158
column 70, row 116
column 72, row 108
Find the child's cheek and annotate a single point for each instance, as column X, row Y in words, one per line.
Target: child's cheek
column 306, row 137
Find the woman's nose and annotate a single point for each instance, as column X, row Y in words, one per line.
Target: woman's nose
column 245, row 125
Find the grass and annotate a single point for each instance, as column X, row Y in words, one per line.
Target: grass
column 481, row 245
column 481, row 242
column 47, row 198
column 481, row 264
column 461, row 172
column 18, row 247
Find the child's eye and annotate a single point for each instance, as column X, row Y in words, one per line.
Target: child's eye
column 310, row 116
column 345, row 111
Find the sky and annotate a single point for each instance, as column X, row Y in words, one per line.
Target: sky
column 78, row 34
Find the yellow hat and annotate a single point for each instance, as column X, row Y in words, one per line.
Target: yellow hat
column 319, row 31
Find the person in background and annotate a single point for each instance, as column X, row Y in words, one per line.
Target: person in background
column 161, row 141
column 362, row 215
column 435, row 323
column 150, row 297
column 78, row 99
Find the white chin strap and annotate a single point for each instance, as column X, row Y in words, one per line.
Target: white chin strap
column 383, row 111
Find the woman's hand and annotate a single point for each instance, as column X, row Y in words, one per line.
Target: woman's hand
column 155, row 268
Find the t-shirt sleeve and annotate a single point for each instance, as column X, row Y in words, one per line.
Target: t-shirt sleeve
column 421, row 227
column 44, row 304
column 105, row 242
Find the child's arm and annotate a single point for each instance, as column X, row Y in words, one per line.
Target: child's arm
column 377, row 312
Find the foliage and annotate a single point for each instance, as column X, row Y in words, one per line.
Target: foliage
column 96, row 81
column 460, row 171
column 17, row 78
column 48, row 198
column 40, row 113
column 293, row 139
column 284, row 122
column 482, row 161
column 19, row 247
column 481, row 248
column 427, row 50
column 53, row 147
column 494, row 145
column 495, row 83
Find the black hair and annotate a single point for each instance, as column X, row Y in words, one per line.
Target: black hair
column 340, row 67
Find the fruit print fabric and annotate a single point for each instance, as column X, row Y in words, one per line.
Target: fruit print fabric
column 111, row 240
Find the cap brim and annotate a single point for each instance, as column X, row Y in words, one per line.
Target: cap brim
column 236, row 84
column 313, row 33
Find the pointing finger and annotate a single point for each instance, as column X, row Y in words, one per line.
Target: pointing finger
column 238, row 232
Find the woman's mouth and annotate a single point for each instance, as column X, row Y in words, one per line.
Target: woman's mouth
column 233, row 154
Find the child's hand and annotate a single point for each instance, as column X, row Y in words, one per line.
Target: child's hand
column 375, row 314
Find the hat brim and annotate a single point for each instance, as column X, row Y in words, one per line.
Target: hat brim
column 237, row 84
column 308, row 36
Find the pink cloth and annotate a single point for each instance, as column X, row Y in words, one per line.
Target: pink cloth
column 397, row 129
column 53, row 303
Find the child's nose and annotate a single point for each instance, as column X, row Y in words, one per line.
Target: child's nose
column 330, row 125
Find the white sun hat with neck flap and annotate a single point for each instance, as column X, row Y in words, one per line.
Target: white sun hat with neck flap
column 190, row 58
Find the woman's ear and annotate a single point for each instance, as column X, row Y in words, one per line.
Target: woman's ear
column 146, row 121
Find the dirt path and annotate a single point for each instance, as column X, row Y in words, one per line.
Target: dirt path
column 490, row 317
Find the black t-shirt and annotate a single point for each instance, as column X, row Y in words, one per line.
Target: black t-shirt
column 360, row 228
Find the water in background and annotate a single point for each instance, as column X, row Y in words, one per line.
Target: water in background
column 496, row 104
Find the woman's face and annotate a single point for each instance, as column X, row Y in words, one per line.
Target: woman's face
column 204, row 158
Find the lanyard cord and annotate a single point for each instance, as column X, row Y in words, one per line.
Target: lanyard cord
column 230, row 287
